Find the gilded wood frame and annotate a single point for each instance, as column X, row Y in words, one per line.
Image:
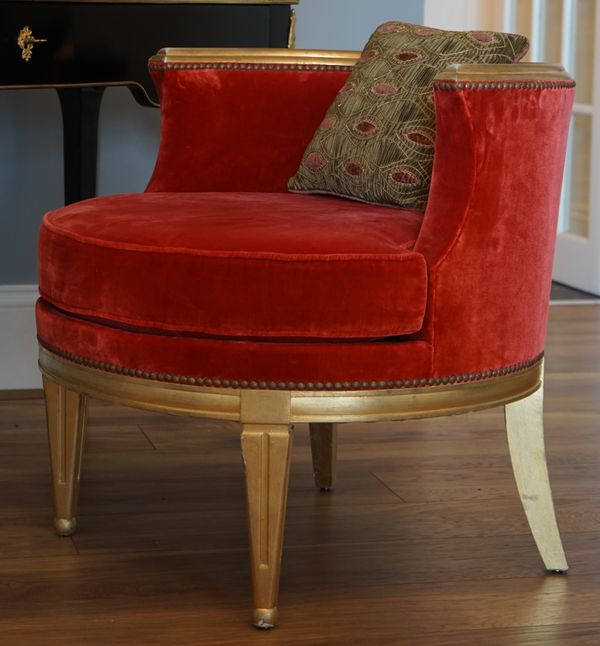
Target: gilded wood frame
column 304, row 406
column 267, row 416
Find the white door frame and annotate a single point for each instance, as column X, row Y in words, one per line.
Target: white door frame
column 577, row 259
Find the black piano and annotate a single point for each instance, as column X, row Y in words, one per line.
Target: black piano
column 81, row 47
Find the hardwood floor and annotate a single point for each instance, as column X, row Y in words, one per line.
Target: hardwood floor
column 423, row 542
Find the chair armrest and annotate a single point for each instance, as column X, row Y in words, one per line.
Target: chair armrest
column 490, row 225
column 240, row 119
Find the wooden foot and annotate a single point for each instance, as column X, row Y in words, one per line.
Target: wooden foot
column 66, row 417
column 266, row 449
column 323, row 444
column 525, row 430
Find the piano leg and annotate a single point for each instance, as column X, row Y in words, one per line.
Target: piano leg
column 80, row 110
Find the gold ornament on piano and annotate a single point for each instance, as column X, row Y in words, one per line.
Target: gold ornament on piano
column 26, row 41
column 292, row 32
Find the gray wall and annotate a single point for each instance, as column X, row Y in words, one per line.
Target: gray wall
column 30, row 131
column 31, row 174
column 347, row 24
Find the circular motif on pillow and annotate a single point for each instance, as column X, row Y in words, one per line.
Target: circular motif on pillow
column 315, row 161
column 482, row 37
column 420, row 138
column 368, row 55
column 384, row 89
column 328, row 123
column 391, row 28
column 427, row 31
column 403, row 176
column 347, row 87
column 354, row 168
column 406, row 57
column 366, row 127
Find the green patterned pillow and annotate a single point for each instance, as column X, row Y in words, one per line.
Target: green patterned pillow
column 376, row 141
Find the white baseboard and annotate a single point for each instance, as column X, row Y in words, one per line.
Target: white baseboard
column 18, row 344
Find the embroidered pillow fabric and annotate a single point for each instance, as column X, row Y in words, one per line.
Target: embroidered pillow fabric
column 376, row 141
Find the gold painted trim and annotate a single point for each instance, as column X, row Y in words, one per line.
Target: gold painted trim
column 415, row 403
column 218, row 403
column 292, row 32
column 258, row 56
column 513, row 72
column 305, row 406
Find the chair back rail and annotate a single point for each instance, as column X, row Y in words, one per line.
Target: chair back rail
column 240, row 119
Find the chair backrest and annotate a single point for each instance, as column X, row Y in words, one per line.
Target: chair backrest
column 240, row 119
column 489, row 229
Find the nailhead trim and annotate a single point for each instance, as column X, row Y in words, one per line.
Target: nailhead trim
column 282, row 385
column 502, row 85
column 440, row 85
column 162, row 67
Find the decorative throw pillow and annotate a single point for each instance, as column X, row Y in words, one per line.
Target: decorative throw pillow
column 376, row 141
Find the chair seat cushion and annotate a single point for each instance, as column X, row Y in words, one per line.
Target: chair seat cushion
column 247, row 265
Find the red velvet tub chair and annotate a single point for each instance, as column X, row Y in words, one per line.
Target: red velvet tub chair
column 219, row 294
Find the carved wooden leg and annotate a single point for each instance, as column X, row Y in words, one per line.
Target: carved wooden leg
column 66, row 416
column 266, row 449
column 323, row 444
column 525, row 429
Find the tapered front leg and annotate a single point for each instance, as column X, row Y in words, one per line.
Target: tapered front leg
column 525, row 430
column 66, row 413
column 266, row 449
column 323, row 444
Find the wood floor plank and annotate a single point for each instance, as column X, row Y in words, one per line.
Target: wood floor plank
column 31, row 536
column 193, row 592
column 433, row 483
column 198, row 584
column 336, row 524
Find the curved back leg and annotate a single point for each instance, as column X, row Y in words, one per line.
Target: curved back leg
column 525, row 430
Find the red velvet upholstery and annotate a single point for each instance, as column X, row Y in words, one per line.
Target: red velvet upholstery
column 486, row 240
column 237, row 130
column 265, row 265
column 489, row 229
column 314, row 365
